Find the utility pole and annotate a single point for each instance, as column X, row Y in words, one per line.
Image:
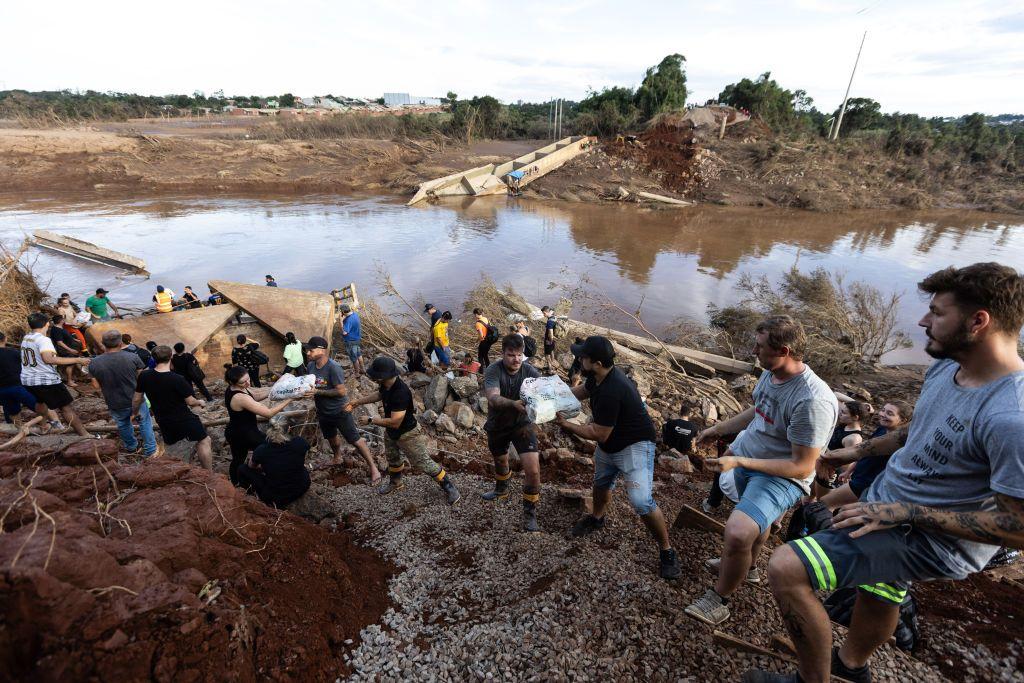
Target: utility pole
column 839, row 121
column 551, row 118
column 558, row 135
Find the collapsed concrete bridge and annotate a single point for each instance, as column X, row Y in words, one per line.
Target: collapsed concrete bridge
column 491, row 179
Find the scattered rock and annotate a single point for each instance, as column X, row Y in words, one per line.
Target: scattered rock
column 464, row 387
column 445, row 423
column 674, row 464
column 461, row 413
column 311, row 506
column 428, row 417
column 417, row 380
column 481, row 404
column 436, row 394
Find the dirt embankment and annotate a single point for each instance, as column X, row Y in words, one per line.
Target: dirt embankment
column 749, row 167
column 753, row 167
column 169, row 158
column 161, row 571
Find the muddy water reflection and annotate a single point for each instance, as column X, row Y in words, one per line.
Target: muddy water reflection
column 677, row 261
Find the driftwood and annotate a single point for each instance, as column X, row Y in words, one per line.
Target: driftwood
column 691, row 518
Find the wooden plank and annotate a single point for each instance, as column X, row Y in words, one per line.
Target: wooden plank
column 784, row 645
column 734, row 643
column 691, row 518
column 76, row 247
column 663, row 199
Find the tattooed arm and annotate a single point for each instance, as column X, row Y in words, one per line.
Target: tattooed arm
column 887, row 444
column 1002, row 526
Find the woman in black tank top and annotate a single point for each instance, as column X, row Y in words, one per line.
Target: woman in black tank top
column 243, row 404
column 848, row 431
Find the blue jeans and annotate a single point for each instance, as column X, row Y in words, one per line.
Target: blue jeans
column 764, row 498
column 12, row 399
column 636, row 465
column 123, row 418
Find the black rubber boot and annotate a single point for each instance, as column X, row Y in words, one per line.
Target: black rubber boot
column 500, row 491
column 861, row 675
column 449, row 489
column 530, row 516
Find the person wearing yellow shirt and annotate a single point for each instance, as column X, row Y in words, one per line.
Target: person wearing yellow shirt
column 441, row 342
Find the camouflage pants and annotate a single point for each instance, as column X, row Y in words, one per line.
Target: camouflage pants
column 411, row 447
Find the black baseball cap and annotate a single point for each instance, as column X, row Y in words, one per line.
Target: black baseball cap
column 102, row 291
column 597, row 349
column 382, row 367
column 317, row 343
column 427, row 307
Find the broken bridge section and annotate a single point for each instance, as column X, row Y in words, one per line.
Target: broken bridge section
column 490, row 179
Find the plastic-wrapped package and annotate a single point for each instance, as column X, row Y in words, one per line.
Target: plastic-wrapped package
column 290, row 386
column 546, row 396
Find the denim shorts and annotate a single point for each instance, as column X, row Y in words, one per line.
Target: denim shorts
column 636, row 465
column 764, row 498
column 354, row 349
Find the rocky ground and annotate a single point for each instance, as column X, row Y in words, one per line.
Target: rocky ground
column 431, row 593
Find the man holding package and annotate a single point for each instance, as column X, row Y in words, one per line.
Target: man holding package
column 625, row 439
column 507, row 425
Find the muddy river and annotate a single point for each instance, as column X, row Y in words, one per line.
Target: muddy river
column 675, row 261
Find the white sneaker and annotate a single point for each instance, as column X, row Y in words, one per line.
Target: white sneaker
column 753, row 575
column 709, row 609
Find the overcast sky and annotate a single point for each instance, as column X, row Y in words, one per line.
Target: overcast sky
column 929, row 57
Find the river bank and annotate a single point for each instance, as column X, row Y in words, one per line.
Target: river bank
column 747, row 168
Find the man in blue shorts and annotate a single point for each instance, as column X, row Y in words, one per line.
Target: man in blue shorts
column 352, row 331
column 782, row 435
column 952, row 493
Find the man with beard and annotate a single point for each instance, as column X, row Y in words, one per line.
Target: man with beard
column 953, row 491
column 779, row 439
column 404, row 441
column 625, row 439
column 507, row 425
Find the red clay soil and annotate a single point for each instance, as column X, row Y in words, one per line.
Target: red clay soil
column 112, row 605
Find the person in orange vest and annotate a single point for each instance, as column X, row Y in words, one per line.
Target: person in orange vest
column 164, row 299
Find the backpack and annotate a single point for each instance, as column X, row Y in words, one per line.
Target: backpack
column 529, row 346
column 839, row 606
column 560, row 331
column 492, row 334
column 257, row 355
column 808, row 519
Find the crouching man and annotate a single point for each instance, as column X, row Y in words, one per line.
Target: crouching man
column 625, row 439
column 404, row 441
column 952, row 493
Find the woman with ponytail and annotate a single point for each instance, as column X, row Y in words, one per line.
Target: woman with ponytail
column 243, row 404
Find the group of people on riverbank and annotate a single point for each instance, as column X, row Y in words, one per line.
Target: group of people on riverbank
column 931, row 494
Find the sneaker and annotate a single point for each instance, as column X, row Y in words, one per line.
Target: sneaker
column 707, row 507
column 753, row 574
column 709, row 608
column 758, row 676
column 840, row 670
column 586, row 525
column 669, row 569
column 391, row 486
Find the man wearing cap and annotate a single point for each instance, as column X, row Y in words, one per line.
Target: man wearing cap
column 271, row 282
column 404, row 441
column 352, row 331
column 97, row 305
column 625, row 439
column 333, row 410
column 507, row 424
column 549, row 337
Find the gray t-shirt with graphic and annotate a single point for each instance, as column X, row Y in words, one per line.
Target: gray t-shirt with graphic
column 327, row 377
column 802, row 411
column 964, row 446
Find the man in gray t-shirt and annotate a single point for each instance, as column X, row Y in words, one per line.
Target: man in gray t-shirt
column 115, row 373
column 782, row 435
column 333, row 410
column 953, row 491
column 507, row 425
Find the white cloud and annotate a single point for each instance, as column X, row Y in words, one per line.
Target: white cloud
column 934, row 58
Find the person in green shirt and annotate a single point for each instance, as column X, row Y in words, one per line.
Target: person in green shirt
column 294, row 361
column 97, row 305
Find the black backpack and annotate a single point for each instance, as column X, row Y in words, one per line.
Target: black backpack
column 839, row 606
column 530, row 347
column 492, row 334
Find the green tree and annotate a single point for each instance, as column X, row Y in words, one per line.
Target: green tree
column 862, row 113
column 287, row 100
column 765, row 98
column 663, row 87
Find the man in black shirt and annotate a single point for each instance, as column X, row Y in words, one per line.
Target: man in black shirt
column 625, row 436
column 435, row 315
column 404, row 441
column 678, row 434
column 66, row 345
column 507, row 425
column 170, row 396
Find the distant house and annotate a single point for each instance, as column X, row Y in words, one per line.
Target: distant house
column 272, row 104
column 397, row 99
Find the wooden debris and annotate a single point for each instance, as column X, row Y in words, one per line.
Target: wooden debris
column 691, row 518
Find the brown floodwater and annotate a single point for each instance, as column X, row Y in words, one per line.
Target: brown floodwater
column 674, row 261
